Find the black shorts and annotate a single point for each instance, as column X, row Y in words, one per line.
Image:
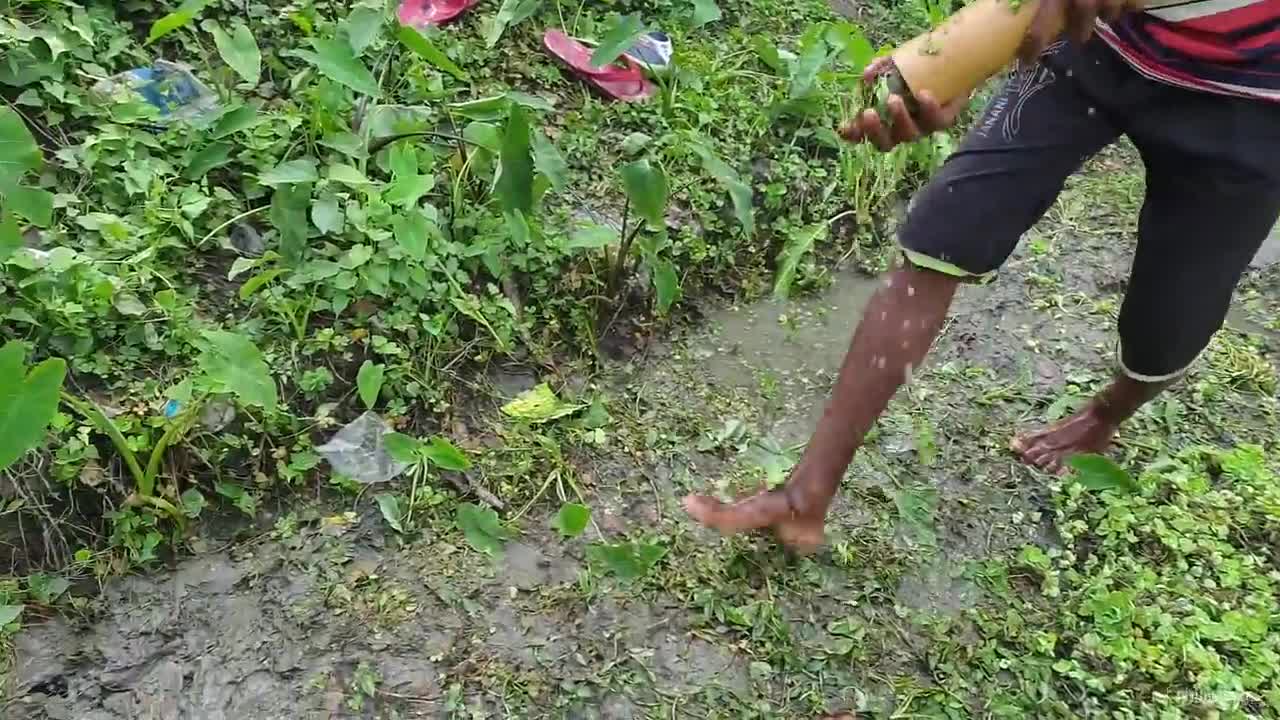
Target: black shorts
column 1213, row 191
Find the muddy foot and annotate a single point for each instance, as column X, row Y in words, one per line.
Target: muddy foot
column 800, row 534
column 1049, row 449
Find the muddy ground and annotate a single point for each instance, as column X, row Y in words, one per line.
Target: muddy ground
column 323, row 612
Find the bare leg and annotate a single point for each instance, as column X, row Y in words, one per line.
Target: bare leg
column 895, row 333
column 1088, row 431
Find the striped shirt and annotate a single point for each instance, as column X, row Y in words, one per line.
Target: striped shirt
column 1230, row 47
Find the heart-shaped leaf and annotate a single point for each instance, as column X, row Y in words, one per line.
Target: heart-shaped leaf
column 571, row 520
column 369, row 382
column 482, row 528
column 336, row 60
column 629, row 561
column 239, row 50
column 28, row 401
column 1097, row 472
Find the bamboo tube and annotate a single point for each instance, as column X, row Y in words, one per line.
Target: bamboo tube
column 969, row 47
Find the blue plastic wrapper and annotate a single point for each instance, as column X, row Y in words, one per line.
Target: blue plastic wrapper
column 167, row 86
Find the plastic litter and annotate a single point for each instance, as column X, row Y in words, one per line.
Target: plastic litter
column 168, row 86
column 652, row 52
column 357, row 451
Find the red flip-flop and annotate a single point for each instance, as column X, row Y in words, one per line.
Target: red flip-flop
column 425, row 13
column 625, row 82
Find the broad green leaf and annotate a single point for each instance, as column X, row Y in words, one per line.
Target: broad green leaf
column 10, row 235
column 362, row 27
column 293, row 171
column 215, row 154
column 233, row 364
column 796, row 247
column 482, row 528
column 28, row 400
column 405, row 191
column 241, row 118
column 257, row 282
column 244, row 500
column 1097, row 472
column 705, row 11
column 348, row 175
column 592, row 237
column 423, row 47
column 128, row 304
column 666, row 285
column 240, row 51
column 288, row 214
column 486, row 109
column 813, row 55
column 46, row 589
column 768, row 53
column 646, row 188
column 628, row 561
column 389, row 506
column 327, row 216
column 519, row 227
column 619, row 38
column 34, row 204
column 739, row 192
column 512, row 12
column 445, row 455
column 181, row 17
column 858, row 51
column 10, row 614
column 515, row 181
column 402, row 448
column 19, row 153
column 369, row 382
column 538, row 405
column 335, row 60
column 571, row 520
column 193, row 503
column 413, row 233
column 548, row 160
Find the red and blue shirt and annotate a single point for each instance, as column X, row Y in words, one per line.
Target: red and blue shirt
column 1230, row 47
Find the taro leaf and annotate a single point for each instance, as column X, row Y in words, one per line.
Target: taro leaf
column 215, row 154
column 193, row 503
column 538, row 405
column 233, row 364
column 10, row 235
column 407, row 190
column 369, row 382
column 768, row 53
column 402, row 448
column 10, row 614
column 666, row 285
column 19, row 153
column 592, row 237
column 738, row 190
column 240, row 51
column 33, row 203
column 28, row 400
column 548, row 160
column 326, row 215
column 423, row 47
column 339, row 63
column 288, row 214
column 511, row 13
column 628, row 561
column 799, row 244
column 176, row 19
column 571, row 520
column 857, row 50
column 646, row 188
column 413, row 231
column 482, row 528
column 348, row 175
column 362, row 27
column 619, row 38
column 705, row 11
column 813, row 55
column 515, row 181
column 445, row 455
column 294, row 171
column 233, row 121
column 916, row 507
column 1097, row 472
column 389, row 505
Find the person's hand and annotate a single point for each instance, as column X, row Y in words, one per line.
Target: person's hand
column 1076, row 17
column 902, row 127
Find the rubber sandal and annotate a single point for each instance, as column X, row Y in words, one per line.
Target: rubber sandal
column 426, row 13
column 625, row 82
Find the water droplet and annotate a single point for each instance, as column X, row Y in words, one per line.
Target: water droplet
column 911, row 291
column 880, row 362
column 906, row 344
column 883, row 316
column 1093, row 111
column 906, row 324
